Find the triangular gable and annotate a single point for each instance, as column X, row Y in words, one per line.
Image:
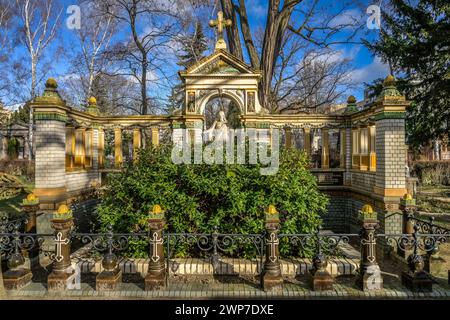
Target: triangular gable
column 220, row 62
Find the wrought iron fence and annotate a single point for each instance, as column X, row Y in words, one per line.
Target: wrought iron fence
column 214, row 246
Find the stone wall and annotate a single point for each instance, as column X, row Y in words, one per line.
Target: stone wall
column 391, row 154
column 363, row 180
column 79, row 180
column 50, row 154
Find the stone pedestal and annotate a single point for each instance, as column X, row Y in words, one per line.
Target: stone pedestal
column 369, row 275
column 111, row 276
column 370, row 279
column 156, row 276
column 61, row 281
column 16, row 279
column 417, row 282
column 108, row 280
column 62, row 274
column 320, row 279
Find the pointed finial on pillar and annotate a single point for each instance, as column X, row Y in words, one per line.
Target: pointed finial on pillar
column 92, row 106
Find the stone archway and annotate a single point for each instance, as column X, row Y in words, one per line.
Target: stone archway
column 230, row 104
column 219, row 94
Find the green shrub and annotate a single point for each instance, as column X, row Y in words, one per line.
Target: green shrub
column 196, row 198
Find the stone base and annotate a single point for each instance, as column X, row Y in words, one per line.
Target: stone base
column 321, row 280
column 108, row 280
column 60, row 281
column 370, row 281
column 16, row 279
column 154, row 282
column 272, row 283
column 420, row 281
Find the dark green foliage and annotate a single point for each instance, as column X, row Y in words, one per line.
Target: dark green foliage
column 13, row 148
column 415, row 40
column 199, row 197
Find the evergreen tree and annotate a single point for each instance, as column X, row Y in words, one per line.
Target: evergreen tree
column 193, row 46
column 415, row 41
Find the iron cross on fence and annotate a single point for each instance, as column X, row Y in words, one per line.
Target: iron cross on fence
column 370, row 242
column 59, row 242
column 154, row 241
column 273, row 241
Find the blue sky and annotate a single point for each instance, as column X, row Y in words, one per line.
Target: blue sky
column 367, row 68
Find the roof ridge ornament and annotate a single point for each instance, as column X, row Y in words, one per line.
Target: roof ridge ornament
column 219, row 24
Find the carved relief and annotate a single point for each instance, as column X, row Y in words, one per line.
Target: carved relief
column 191, row 102
column 251, row 101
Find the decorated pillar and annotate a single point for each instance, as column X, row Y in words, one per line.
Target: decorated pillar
column 307, row 140
column 136, row 143
column 156, row 274
column 369, row 276
column 62, row 275
column 50, row 116
column 118, row 155
column 343, row 148
column 325, row 148
column 288, row 137
column 390, row 177
column 155, row 137
column 30, row 206
column 272, row 278
column 372, row 148
column 390, row 141
column 101, row 148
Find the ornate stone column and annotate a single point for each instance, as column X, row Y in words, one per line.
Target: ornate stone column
column 272, row 279
column 288, row 137
column 307, row 140
column 369, row 276
column 62, row 274
column 156, row 275
column 30, row 206
column 155, row 137
column 118, row 156
column 101, row 148
column 50, row 115
column 137, row 142
column 325, row 149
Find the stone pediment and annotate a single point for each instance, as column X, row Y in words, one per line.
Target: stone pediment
column 221, row 62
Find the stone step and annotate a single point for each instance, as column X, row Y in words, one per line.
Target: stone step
column 226, row 266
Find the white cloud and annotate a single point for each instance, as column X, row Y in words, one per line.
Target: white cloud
column 347, row 18
column 376, row 69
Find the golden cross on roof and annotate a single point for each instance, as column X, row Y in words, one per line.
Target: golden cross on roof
column 220, row 23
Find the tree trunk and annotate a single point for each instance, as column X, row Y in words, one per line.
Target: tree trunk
column 30, row 112
column 144, row 85
column 234, row 40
